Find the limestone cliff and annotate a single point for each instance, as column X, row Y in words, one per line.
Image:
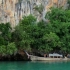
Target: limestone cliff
column 13, row 10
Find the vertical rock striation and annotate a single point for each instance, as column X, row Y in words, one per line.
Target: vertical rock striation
column 13, row 10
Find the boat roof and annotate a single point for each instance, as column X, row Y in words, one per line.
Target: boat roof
column 55, row 54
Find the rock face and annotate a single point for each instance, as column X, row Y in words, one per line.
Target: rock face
column 13, row 10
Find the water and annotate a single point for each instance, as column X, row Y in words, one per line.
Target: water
column 35, row 65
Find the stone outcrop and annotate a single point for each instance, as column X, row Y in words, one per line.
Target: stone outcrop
column 13, row 10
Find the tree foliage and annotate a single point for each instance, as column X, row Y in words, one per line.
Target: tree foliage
column 30, row 35
column 59, row 24
column 5, row 33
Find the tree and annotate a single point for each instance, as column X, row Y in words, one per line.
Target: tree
column 11, row 49
column 68, row 4
column 57, row 15
column 37, row 35
column 3, row 50
column 5, row 36
column 22, row 34
column 8, row 50
column 52, row 40
column 59, row 25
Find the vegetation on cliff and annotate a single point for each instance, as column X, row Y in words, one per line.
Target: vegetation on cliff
column 68, row 4
column 30, row 35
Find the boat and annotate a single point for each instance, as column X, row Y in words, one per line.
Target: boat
column 37, row 58
column 52, row 57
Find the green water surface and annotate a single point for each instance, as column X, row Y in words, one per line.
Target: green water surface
column 35, row 65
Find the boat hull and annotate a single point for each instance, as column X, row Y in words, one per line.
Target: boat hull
column 36, row 58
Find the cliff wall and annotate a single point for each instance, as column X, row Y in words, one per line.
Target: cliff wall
column 13, row 10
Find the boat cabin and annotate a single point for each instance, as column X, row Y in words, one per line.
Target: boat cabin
column 55, row 55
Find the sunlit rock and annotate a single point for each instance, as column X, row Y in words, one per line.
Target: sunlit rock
column 13, row 10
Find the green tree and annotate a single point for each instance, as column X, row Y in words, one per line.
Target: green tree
column 60, row 25
column 57, row 15
column 3, row 50
column 11, row 49
column 5, row 33
column 22, row 33
column 68, row 4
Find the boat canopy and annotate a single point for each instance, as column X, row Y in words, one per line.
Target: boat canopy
column 55, row 55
